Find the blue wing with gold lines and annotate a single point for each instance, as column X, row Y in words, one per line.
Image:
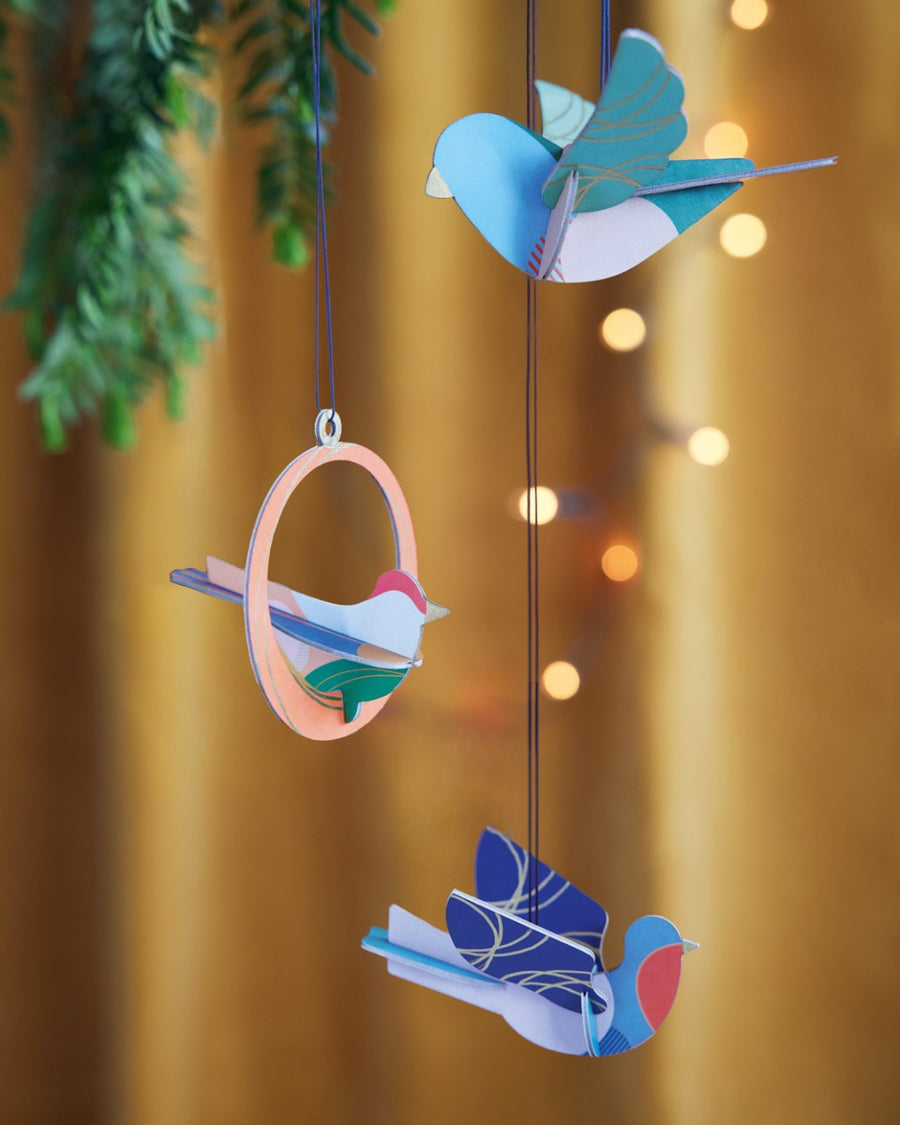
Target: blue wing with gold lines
column 501, row 879
column 638, row 122
column 516, row 951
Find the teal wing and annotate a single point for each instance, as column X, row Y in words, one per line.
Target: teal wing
column 626, row 143
column 355, row 682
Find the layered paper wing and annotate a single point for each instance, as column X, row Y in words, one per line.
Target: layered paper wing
column 637, row 123
column 563, row 114
column 501, row 879
column 289, row 611
column 516, row 951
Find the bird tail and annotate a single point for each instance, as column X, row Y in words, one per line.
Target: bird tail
column 730, row 177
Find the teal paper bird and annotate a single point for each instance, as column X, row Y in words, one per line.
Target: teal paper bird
column 597, row 194
column 546, row 978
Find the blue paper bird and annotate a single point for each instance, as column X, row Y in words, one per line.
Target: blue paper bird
column 607, row 200
column 547, row 979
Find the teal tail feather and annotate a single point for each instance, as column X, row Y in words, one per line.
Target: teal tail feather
column 685, row 206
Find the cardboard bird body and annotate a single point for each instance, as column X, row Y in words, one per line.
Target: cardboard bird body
column 344, row 655
column 546, row 979
column 607, row 200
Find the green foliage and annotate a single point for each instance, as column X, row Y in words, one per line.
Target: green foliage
column 6, row 79
column 112, row 304
column 7, row 94
column 274, row 47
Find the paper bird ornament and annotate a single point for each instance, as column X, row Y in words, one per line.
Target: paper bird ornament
column 547, row 977
column 325, row 669
column 597, row 193
column 355, row 652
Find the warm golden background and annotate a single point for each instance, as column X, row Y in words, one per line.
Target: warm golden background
column 185, row 882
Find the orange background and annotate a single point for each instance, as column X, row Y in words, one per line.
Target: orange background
column 185, row 882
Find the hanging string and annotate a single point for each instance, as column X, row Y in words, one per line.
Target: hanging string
column 321, row 257
column 531, row 477
column 605, row 44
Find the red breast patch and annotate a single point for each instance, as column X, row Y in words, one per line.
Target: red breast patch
column 657, row 983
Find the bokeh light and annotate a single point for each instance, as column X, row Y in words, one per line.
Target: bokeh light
column 561, row 680
column 623, row 330
column 619, row 562
column 544, row 504
column 708, row 446
column 749, row 14
column 743, row 235
column 725, row 138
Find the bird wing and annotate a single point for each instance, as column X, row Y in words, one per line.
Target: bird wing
column 625, row 144
column 355, row 681
column 563, row 114
column 520, row 952
column 224, row 581
column 298, row 628
column 502, row 879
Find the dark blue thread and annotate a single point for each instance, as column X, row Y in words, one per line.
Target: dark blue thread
column 605, row 45
column 321, row 255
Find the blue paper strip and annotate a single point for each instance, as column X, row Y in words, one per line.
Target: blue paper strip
column 376, row 941
column 300, row 628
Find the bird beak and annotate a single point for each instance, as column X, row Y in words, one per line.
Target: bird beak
column 434, row 612
column 436, row 186
column 687, row 946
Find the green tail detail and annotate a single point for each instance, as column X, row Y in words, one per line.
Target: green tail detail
column 356, row 683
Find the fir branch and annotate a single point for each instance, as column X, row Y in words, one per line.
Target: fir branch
column 24, row 9
column 274, row 46
column 111, row 303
